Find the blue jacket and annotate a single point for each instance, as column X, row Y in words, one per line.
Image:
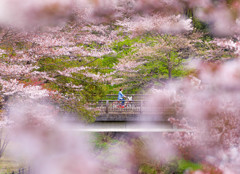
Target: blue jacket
column 120, row 95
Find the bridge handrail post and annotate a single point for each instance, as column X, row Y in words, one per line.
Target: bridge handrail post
column 107, row 105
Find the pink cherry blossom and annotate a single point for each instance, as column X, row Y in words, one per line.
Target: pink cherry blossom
column 12, row 87
column 168, row 24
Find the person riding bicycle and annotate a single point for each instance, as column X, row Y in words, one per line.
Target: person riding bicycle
column 121, row 97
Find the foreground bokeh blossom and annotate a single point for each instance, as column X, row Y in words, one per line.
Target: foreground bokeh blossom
column 221, row 16
column 36, row 134
column 207, row 107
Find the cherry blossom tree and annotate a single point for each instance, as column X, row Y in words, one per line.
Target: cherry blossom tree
column 4, row 136
column 169, row 51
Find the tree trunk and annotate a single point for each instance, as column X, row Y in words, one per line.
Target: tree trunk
column 169, row 73
column 169, row 66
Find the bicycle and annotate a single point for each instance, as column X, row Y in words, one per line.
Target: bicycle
column 128, row 103
column 118, row 104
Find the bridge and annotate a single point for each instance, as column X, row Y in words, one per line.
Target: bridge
column 136, row 116
column 137, row 109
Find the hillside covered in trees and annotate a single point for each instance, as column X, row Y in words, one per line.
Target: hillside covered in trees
column 81, row 59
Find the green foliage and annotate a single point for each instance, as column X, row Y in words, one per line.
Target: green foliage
column 199, row 25
column 172, row 167
column 9, row 49
column 155, row 68
column 48, row 64
column 126, row 47
column 103, row 141
column 93, row 45
column 90, row 90
column 206, row 38
column 75, row 106
column 20, row 45
column 160, row 68
column 147, row 169
column 204, row 45
column 23, row 45
column 188, row 165
column 109, row 61
column 3, row 56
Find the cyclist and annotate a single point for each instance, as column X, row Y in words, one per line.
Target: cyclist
column 121, row 97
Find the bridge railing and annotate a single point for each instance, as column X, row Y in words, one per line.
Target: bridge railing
column 133, row 107
column 134, row 96
column 114, row 106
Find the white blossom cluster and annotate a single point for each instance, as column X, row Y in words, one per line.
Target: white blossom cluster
column 12, row 87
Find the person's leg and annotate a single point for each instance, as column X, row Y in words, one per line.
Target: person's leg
column 123, row 101
column 119, row 103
